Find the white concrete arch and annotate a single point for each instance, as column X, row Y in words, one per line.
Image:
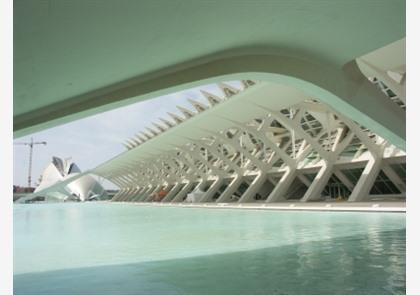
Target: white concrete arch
column 346, row 89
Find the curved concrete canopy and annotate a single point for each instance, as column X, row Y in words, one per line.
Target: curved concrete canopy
column 77, row 58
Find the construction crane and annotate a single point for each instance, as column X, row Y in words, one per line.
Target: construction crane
column 31, row 146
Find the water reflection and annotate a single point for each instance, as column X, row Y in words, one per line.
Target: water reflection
column 191, row 251
column 305, row 269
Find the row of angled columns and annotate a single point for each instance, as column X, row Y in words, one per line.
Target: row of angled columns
column 182, row 183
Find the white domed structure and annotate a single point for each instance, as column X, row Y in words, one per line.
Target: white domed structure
column 57, row 184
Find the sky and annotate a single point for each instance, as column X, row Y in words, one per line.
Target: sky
column 94, row 140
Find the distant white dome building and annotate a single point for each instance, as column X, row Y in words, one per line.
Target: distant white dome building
column 53, row 186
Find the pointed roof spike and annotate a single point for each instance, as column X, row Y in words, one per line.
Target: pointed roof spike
column 200, row 107
column 176, row 118
column 136, row 140
column 154, row 132
column 248, row 83
column 188, row 113
column 127, row 146
column 211, row 98
column 140, row 137
column 159, row 127
column 167, row 123
column 130, row 143
column 135, row 143
column 228, row 90
column 148, row 136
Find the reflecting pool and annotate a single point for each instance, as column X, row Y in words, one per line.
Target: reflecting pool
column 105, row 248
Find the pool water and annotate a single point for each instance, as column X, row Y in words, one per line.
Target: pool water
column 105, row 248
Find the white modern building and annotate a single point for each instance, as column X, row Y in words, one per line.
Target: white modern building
column 63, row 181
column 320, row 116
column 268, row 142
column 263, row 142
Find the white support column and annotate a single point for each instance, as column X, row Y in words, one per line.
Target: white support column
column 131, row 194
column 172, row 193
column 208, row 195
column 146, row 194
column 139, row 193
column 370, row 173
column 231, row 189
column 194, row 170
column 142, row 189
column 201, row 184
column 393, row 176
column 180, row 196
column 237, row 180
column 209, row 168
column 149, row 198
column 130, row 187
column 128, row 192
column 343, row 178
column 222, row 176
column 120, row 184
column 125, row 191
column 193, row 175
column 304, row 180
column 253, row 188
column 124, row 187
column 366, row 180
column 318, row 184
column 117, row 197
column 280, row 190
